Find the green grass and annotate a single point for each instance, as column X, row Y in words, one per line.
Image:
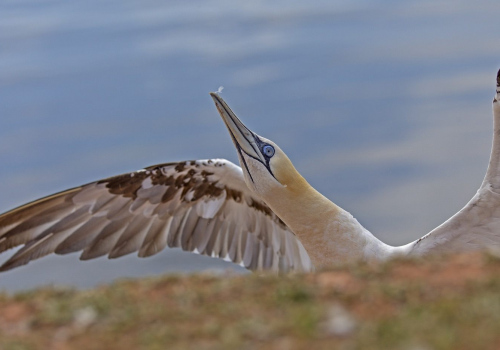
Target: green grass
column 447, row 303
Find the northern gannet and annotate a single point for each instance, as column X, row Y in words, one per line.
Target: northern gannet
column 263, row 215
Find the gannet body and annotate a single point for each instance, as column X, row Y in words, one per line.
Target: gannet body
column 264, row 215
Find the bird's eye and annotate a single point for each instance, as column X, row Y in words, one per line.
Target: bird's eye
column 268, row 150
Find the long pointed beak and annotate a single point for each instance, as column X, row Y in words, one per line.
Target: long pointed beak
column 243, row 138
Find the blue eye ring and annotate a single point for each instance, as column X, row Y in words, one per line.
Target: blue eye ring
column 268, row 151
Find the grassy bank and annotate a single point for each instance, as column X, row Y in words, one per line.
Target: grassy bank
column 447, row 303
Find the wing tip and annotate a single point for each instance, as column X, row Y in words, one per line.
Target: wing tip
column 12, row 263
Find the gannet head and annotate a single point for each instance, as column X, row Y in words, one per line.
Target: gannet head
column 266, row 167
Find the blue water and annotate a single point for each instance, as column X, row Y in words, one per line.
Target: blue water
column 385, row 107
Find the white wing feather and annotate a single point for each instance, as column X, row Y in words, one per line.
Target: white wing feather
column 200, row 206
column 477, row 225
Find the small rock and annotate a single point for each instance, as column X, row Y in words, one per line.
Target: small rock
column 83, row 318
column 339, row 321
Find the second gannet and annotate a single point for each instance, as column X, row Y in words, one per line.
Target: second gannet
column 263, row 215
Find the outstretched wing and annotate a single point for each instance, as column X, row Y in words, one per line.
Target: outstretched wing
column 201, row 206
column 477, row 225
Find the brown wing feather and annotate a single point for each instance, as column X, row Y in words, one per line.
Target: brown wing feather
column 199, row 206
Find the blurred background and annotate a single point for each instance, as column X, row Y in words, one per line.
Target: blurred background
column 384, row 106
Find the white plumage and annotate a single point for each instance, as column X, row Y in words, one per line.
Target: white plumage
column 265, row 216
